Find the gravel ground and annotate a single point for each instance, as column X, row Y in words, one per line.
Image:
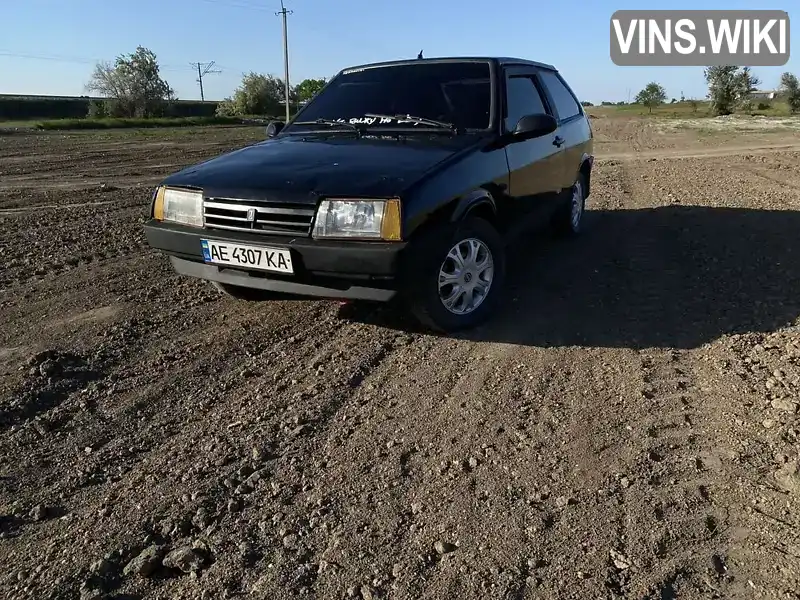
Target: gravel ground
column 626, row 428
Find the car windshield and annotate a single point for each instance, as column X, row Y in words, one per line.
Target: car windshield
column 458, row 93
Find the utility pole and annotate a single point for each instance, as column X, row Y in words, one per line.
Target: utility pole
column 203, row 69
column 283, row 12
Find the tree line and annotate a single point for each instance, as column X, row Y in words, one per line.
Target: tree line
column 730, row 88
column 133, row 87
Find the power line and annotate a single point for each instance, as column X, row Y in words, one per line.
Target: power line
column 236, row 4
column 324, row 32
column 283, row 12
column 203, row 69
column 50, row 58
column 73, row 59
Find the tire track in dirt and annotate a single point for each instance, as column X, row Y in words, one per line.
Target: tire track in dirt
column 339, row 393
column 319, row 451
column 42, row 241
column 772, row 178
column 706, row 153
column 15, row 211
column 674, row 544
column 673, row 548
column 109, row 156
column 758, row 457
column 479, row 389
column 145, row 407
column 443, row 366
column 307, row 411
column 784, row 162
column 637, row 470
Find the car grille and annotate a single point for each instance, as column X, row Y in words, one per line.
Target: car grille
column 257, row 216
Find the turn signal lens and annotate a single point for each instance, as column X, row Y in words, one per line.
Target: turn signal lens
column 158, row 205
column 390, row 225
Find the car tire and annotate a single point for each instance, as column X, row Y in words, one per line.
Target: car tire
column 568, row 220
column 243, row 293
column 433, row 258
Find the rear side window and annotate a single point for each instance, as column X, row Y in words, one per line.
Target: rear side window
column 565, row 102
column 523, row 98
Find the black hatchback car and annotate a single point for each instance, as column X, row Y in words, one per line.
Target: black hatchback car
column 407, row 177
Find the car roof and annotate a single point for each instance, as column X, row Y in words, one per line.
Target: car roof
column 503, row 61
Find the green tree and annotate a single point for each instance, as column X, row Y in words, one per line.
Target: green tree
column 790, row 87
column 308, row 88
column 729, row 87
column 258, row 94
column 652, row 95
column 98, row 109
column 133, row 84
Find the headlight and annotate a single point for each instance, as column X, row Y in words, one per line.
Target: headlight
column 366, row 219
column 179, row 206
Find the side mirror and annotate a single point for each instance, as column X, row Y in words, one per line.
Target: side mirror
column 274, row 128
column 534, row 126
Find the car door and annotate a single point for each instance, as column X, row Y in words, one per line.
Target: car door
column 536, row 169
column 572, row 123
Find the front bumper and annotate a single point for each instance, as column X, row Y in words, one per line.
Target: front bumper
column 331, row 269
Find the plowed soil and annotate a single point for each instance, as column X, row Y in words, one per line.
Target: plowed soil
column 625, row 428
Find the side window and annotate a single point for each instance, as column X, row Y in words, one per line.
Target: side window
column 522, row 98
column 565, row 102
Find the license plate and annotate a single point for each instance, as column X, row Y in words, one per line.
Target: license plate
column 251, row 257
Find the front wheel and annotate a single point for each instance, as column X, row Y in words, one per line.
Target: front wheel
column 456, row 275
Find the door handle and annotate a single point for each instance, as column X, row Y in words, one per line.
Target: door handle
column 558, row 141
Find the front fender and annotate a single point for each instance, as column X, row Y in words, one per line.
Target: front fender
column 473, row 200
column 445, row 194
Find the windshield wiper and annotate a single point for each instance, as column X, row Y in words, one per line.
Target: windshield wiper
column 332, row 123
column 413, row 119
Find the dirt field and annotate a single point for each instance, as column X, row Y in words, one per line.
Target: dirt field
column 626, row 428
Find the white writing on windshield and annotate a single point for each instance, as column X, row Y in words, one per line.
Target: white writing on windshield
column 374, row 120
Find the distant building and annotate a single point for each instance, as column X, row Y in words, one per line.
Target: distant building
column 764, row 94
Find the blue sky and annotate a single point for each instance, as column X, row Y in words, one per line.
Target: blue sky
column 62, row 39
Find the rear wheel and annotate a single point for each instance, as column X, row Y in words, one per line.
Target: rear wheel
column 456, row 275
column 569, row 218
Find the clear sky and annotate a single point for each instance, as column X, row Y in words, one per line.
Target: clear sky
column 50, row 46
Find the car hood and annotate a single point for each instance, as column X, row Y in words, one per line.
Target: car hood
column 303, row 168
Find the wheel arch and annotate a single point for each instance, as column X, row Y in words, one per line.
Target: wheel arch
column 480, row 203
column 585, row 169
